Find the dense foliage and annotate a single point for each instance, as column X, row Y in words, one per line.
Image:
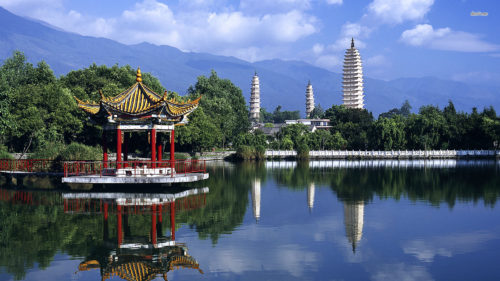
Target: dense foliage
column 278, row 116
column 221, row 116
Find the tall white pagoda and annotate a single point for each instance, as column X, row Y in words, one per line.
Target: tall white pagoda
column 255, row 100
column 309, row 99
column 352, row 83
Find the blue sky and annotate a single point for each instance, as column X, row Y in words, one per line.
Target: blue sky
column 396, row 38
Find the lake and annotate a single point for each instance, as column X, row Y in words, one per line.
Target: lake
column 317, row 220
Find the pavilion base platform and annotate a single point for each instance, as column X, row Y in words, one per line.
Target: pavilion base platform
column 150, row 179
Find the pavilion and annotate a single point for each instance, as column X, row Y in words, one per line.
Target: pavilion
column 134, row 110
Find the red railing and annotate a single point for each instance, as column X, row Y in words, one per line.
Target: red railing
column 25, row 165
column 133, row 168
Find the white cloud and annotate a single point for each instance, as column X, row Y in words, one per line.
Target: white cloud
column 348, row 31
column 447, row 246
column 397, row 11
column 329, row 62
column 401, row 272
column 446, row 39
column 273, row 6
column 318, row 49
column 334, row 2
column 191, row 27
column 377, row 60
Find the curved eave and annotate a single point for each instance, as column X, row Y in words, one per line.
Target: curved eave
column 177, row 109
column 89, row 107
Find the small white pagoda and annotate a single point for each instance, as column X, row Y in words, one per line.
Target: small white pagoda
column 309, row 99
column 255, row 100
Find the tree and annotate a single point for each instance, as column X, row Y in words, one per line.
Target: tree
column 317, row 112
column 389, row 133
column 404, row 111
column 424, row 130
column 224, row 106
column 200, row 133
column 353, row 124
column 280, row 116
column 265, row 117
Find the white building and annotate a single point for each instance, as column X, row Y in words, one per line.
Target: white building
column 255, row 100
column 314, row 124
column 309, row 99
column 352, row 82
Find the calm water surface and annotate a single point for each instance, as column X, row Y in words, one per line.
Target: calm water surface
column 328, row 220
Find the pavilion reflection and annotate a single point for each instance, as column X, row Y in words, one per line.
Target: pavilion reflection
column 132, row 257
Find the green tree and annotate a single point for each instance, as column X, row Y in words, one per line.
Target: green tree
column 389, row 133
column 353, row 124
column 424, row 130
column 317, row 112
column 224, row 106
column 280, row 116
column 200, row 134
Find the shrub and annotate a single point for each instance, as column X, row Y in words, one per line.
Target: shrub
column 48, row 151
column 302, row 151
column 78, row 151
column 4, row 154
column 245, row 152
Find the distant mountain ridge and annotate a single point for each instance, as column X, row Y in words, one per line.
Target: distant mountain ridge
column 282, row 82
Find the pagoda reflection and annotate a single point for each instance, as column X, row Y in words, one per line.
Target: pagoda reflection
column 132, row 257
column 353, row 222
column 256, row 199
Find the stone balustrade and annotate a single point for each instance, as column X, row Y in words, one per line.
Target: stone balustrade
column 393, row 154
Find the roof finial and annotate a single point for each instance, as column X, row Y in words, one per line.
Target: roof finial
column 352, row 43
column 255, row 72
column 138, row 75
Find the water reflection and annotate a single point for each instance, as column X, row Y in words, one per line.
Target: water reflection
column 256, row 199
column 120, row 234
column 353, row 221
column 316, row 220
column 310, row 196
column 136, row 257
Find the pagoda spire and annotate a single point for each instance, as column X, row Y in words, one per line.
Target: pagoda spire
column 138, row 75
column 352, row 42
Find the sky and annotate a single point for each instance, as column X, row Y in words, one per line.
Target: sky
column 448, row 39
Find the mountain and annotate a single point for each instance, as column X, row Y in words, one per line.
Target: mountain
column 282, row 82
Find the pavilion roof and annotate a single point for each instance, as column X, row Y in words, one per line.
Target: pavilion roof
column 139, row 269
column 139, row 102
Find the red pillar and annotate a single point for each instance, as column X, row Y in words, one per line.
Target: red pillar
column 118, row 148
column 172, row 220
column 160, row 148
column 125, row 148
column 119, row 226
column 172, row 149
column 160, row 213
column 153, row 224
column 153, row 147
column 106, row 211
column 104, row 149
